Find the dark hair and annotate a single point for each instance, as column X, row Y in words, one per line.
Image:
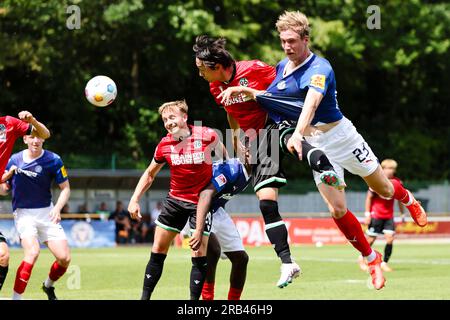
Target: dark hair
column 212, row 51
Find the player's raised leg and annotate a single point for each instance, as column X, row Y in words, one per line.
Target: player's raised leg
column 61, row 251
column 351, row 228
column 278, row 234
column 30, row 245
column 392, row 188
column 4, row 260
column 317, row 160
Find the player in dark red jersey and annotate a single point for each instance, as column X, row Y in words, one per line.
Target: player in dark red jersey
column 12, row 128
column 217, row 66
column 187, row 150
column 380, row 217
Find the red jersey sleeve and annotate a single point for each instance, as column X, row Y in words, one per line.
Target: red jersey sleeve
column 158, row 155
column 266, row 73
column 21, row 128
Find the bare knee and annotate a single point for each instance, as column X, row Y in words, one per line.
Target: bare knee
column 338, row 209
column 32, row 255
column 159, row 248
column 64, row 261
column 386, row 190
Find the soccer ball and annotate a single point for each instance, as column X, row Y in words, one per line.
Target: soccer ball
column 101, row 91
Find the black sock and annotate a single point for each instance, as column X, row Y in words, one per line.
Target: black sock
column 153, row 272
column 198, row 275
column 387, row 252
column 3, row 273
column 316, row 158
column 276, row 229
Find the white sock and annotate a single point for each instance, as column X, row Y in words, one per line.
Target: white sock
column 16, row 296
column 49, row 283
column 372, row 256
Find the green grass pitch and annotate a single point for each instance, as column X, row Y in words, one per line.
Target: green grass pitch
column 329, row 272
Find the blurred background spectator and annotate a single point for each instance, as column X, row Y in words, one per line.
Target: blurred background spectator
column 123, row 223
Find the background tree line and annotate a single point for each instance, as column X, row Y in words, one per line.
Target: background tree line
column 393, row 83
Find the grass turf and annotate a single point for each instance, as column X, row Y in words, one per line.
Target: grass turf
column 329, row 272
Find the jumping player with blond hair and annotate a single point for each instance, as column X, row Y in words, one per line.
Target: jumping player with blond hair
column 304, row 90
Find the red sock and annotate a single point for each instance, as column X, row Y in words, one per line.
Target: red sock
column 400, row 193
column 351, row 228
column 56, row 271
column 22, row 276
column 234, row 294
column 208, row 291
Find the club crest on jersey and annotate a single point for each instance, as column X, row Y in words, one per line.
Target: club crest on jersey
column 318, row 81
column 243, row 82
column 2, row 132
column 281, row 85
column 221, row 180
column 197, row 144
column 38, row 169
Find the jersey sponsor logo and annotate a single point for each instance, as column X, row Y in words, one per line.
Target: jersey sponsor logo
column 318, row 81
column 27, row 173
column 2, row 133
column 221, row 180
column 187, row 158
column 243, row 82
column 281, row 85
column 237, row 99
column 64, row 172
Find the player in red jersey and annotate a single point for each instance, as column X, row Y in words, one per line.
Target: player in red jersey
column 380, row 217
column 216, row 66
column 187, row 150
column 12, row 128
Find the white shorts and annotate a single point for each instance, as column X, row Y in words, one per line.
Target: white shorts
column 226, row 232
column 37, row 223
column 346, row 149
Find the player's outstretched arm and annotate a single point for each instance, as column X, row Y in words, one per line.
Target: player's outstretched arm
column 312, row 101
column 203, row 207
column 8, row 174
column 39, row 129
column 143, row 185
column 230, row 92
column 55, row 214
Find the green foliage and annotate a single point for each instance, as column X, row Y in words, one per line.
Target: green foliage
column 392, row 83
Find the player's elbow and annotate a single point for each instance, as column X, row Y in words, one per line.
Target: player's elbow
column 46, row 134
column 43, row 133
